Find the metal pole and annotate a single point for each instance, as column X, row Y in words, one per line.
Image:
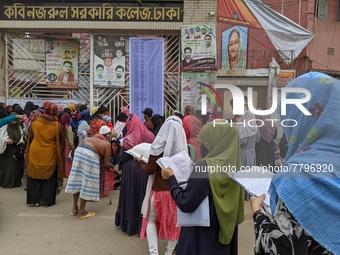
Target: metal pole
column 91, row 70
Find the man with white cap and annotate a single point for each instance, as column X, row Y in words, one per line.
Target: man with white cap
column 84, row 178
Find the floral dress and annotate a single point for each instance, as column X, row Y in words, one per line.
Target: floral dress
column 285, row 236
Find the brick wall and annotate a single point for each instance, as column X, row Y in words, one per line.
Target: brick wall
column 196, row 11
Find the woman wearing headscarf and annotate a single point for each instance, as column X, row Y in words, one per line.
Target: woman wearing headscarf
column 44, row 164
column 192, row 126
column 189, row 110
column 249, row 136
column 33, row 116
column 8, row 110
column 220, row 147
column 159, row 210
column 68, row 143
column 212, row 115
column 97, row 120
column 11, row 136
column 133, row 180
column 305, row 198
column 157, row 121
column 83, row 129
column 265, row 153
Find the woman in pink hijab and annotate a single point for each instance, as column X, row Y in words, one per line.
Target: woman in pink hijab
column 192, row 126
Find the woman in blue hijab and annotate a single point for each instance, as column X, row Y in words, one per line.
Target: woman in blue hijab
column 305, row 195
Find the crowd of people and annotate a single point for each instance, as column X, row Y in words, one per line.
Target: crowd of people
column 89, row 153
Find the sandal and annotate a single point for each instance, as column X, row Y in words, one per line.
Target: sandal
column 86, row 216
column 73, row 213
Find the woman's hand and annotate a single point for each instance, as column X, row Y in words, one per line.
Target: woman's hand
column 10, row 141
column 116, row 168
column 256, row 203
column 166, row 173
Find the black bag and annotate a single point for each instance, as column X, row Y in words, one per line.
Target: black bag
column 19, row 152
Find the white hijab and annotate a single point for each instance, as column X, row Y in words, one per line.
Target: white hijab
column 170, row 139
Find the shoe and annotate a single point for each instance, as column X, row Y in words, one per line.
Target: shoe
column 88, row 215
column 37, row 204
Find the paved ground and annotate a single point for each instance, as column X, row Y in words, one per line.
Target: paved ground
column 29, row 230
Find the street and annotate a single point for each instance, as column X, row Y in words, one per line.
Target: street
column 51, row 230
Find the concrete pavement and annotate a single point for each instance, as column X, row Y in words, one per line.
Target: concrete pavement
column 33, row 231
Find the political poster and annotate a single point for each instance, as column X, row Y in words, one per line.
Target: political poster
column 109, row 61
column 62, row 64
column 198, row 47
column 234, row 48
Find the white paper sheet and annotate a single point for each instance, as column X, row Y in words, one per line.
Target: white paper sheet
column 180, row 163
column 255, row 183
column 139, row 150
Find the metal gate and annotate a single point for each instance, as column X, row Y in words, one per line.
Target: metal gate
column 26, row 73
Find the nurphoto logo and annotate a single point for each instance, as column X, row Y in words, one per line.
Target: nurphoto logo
column 238, row 104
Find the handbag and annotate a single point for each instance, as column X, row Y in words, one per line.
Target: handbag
column 198, row 218
column 19, row 152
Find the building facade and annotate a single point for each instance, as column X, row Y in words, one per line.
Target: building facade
column 26, row 31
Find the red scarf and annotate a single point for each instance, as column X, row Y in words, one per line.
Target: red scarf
column 50, row 112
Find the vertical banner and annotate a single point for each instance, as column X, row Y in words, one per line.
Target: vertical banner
column 62, row 64
column 198, row 47
column 109, row 61
column 146, row 75
column 194, row 85
column 234, row 48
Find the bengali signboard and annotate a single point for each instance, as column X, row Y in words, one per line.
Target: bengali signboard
column 62, row 64
column 198, row 47
column 171, row 11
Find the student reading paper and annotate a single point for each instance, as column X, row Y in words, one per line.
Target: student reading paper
column 220, row 145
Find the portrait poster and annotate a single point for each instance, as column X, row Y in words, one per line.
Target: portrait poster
column 62, row 64
column 194, row 84
column 234, row 48
column 198, row 47
column 109, row 61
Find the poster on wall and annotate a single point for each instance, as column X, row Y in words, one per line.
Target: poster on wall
column 109, row 61
column 198, row 47
column 62, row 64
column 234, row 48
column 194, row 84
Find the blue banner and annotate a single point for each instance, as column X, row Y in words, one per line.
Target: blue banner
column 146, row 75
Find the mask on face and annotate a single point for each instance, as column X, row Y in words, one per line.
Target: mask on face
column 106, row 118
